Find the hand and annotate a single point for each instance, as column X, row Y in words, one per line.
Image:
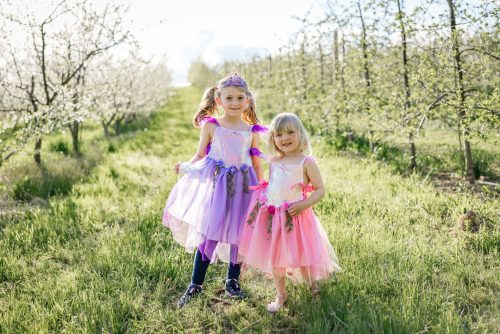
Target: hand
column 296, row 208
column 177, row 167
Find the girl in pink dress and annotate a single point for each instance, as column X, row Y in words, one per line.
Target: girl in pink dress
column 282, row 236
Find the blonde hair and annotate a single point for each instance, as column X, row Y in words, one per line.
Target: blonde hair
column 282, row 123
column 208, row 107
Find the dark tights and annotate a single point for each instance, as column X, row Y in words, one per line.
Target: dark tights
column 201, row 267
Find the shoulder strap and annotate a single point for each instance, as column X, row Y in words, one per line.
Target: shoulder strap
column 210, row 120
column 258, row 128
column 307, row 158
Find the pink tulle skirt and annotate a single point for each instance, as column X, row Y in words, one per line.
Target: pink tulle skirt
column 302, row 252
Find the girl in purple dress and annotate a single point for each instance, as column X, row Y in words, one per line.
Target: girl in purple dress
column 206, row 208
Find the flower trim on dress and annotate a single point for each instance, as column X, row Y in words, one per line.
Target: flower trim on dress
column 244, row 169
column 271, row 209
column 230, row 173
column 230, row 180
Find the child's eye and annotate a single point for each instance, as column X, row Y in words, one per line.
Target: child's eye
column 290, row 132
column 278, row 135
column 240, row 98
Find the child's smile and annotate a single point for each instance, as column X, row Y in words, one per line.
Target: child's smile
column 233, row 101
column 287, row 141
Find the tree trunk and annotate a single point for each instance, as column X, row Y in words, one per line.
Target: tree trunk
column 469, row 168
column 342, row 66
column 270, row 70
column 37, row 155
column 304, row 70
column 117, row 125
column 366, row 72
column 321, row 66
column 75, row 132
column 413, row 152
column 460, row 92
column 106, row 129
column 336, row 54
column 406, row 86
column 364, row 47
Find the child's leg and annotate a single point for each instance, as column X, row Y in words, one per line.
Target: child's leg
column 279, row 282
column 200, row 269
column 307, row 277
column 280, row 285
column 233, row 271
column 314, row 288
column 233, row 274
column 304, row 272
column 199, row 272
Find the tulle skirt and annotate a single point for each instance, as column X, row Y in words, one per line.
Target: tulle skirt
column 301, row 251
column 207, row 206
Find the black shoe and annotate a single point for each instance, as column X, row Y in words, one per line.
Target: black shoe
column 233, row 289
column 192, row 291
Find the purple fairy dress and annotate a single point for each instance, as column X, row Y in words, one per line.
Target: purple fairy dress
column 206, row 207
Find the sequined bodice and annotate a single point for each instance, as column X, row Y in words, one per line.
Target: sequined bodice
column 230, row 146
column 284, row 183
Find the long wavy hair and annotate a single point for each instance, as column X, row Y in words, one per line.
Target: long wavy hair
column 208, row 106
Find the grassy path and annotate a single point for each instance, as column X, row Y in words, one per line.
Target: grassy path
column 98, row 260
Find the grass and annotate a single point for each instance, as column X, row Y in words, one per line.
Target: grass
column 435, row 157
column 97, row 259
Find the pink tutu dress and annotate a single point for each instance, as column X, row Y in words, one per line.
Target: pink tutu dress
column 206, row 207
column 273, row 241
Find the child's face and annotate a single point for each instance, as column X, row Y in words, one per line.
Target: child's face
column 287, row 141
column 233, row 101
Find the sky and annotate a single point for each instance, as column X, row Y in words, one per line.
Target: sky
column 181, row 31
column 216, row 30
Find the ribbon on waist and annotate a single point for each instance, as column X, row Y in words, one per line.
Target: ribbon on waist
column 306, row 188
column 262, row 185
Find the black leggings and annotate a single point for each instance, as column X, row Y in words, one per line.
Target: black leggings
column 201, row 267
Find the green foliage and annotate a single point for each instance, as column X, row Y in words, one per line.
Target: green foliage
column 484, row 162
column 347, row 71
column 201, row 75
column 45, row 183
column 60, row 146
column 99, row 260
column 487, row 242
column 111, row 148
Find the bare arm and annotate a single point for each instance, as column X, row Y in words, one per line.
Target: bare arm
column 257, row 161
column 205, row 138
column 314, row 175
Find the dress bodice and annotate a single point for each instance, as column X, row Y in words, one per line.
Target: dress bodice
column 286, row 183
column 231, row 146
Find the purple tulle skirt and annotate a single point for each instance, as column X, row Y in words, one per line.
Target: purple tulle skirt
column 206, row 208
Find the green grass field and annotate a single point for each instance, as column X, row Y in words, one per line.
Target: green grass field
column 94, row 257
